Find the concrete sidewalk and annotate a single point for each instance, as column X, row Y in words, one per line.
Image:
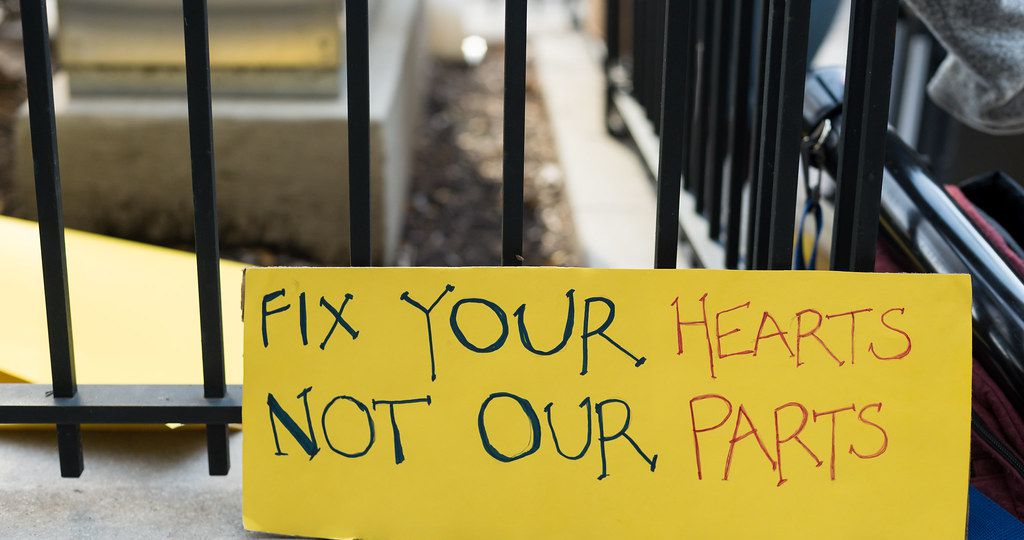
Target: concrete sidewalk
column 136, row 484
column 612, row 199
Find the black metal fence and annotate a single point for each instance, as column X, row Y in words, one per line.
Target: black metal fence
column 722, row 81
column 721, row 84
column 68, row 405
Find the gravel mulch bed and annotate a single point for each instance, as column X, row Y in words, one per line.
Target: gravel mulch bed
column 454, row 216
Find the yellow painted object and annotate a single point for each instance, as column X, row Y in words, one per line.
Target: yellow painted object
column 134, row 311
column 712, row 404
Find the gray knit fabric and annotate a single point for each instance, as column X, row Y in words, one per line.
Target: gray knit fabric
column 981, row 82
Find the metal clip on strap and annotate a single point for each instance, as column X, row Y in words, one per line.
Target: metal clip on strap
column 811, row 150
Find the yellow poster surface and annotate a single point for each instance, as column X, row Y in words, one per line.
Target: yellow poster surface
column 575, row 403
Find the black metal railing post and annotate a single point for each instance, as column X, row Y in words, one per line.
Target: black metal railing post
column 781, row 124
column 612, row 38
column 357, row 65
column 703, row 17
column 513, row 140
column 204, row 199
column 757, row 117
column 655, row 41
column 739, row 148
column 42, row 123
column 718, row 116
column 689, row 89
column 677, row 57
column 770, row 90
column 862, row 138
column 639, row 53
column 788, row 135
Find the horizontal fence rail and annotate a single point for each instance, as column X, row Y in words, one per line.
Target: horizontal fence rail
column 120, row 404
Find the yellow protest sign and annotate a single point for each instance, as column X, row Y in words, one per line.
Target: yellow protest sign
column 572, row 403
column 126, row 297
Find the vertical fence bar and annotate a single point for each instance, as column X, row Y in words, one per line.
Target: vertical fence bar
column 670, row 163
column 513, row 141
column 772, row 68
column 204, row 201
column 657, row 39
column 612, row 54
column 689, row 89
column 651, row 66
column 646, row 56
column 756, row 119
column 695, row 173
column 357, row 64
column 42, row 123
column 780, row 150
column 862, row 141
column 899, row 67
column 637, row 66
column 741, row 64
column 788, row 134
column 718, row 117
